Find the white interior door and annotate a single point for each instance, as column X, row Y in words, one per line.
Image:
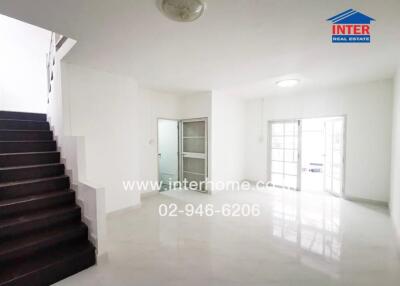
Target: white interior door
column 334, row 156
column 168, row 151
column 194, row 151
column 284, row 154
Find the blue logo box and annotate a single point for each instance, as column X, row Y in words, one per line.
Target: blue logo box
column 351, row 26
column 351, row 39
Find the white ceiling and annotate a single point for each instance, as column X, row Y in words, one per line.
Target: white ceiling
column 243, row 46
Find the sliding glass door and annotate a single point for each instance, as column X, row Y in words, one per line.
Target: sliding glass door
column 284, row 154
column 334, row 156
column 325, row 165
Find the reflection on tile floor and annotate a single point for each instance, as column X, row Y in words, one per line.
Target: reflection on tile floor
column 299, row 239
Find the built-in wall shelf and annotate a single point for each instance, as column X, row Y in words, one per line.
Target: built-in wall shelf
column 193, row 173
column 194, row 155
column 194, row 137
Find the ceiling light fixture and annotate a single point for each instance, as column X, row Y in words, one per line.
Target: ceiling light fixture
column 287, row 82
column 182, row 10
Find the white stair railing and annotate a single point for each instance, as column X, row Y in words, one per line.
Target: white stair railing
column 51, row 61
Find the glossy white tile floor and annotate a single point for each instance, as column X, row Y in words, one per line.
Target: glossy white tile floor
column 299, row 239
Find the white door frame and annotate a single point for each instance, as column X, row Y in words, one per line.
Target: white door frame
column 181, row 153
column 268, row 143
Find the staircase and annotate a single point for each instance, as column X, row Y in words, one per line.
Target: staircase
column 42, row 238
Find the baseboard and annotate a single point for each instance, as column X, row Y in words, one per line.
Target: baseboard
column 102, row 258
column 397, row 237
column 367, row 201
column 253, row 183
column 123, row 211
column 148, row 194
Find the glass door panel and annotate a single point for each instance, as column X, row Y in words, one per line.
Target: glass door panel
column 168, row 159
column 284, row 154
column 334, row 152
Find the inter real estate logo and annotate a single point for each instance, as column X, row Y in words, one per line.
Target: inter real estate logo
column 351, row 26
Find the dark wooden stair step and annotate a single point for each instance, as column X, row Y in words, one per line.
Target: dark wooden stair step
column 39, row 241
column 18, row 189
column 23, row 115
column 26, row 135
column 29, row 158
column 25, row 205
column 13, row 174
column 48, row 268
column 27, row 146
column 38, row 220
column 42, row 238
column 13, row 124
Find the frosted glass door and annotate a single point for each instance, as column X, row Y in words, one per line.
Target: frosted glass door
column 284, row 154
column 194, row 151
column 334, row 151
column 168, row 142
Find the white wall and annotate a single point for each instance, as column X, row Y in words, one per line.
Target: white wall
column 225, row 130
column 90, row 197
column 227, row 138
column 23, row 79
column 368, row 107
column 395, row 178
column 195, row 105
column 255, row 162
column 119, row 124
column 104, row 109
column 155, row 105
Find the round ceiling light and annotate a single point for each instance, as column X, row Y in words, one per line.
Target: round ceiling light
column 183, row 10
column 287, row 82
